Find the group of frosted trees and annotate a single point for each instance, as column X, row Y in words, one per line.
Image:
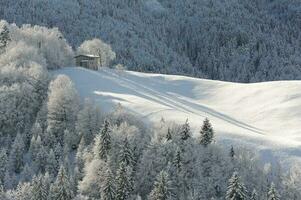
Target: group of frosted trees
column 235, row 40
column 56, row 147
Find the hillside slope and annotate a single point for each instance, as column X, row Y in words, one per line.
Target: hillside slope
column 264, row 116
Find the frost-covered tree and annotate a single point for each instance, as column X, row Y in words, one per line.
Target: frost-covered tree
column 232, row 152
column 39, row 188
column 3, row 163
column 2, row 192
column 51, row 163
column 185, row 131
column 236, row 190
column 123, row 188
column 168, row 135
column 99, row 48
column 88, row 121
column 27, row 173
column 207, row 133
column 161, row 190
column 126, row 154
column 16, row 161
column 108, row 189
column 178, row 160
column 94, row 175
column 254, row 195
column 62, row 106
column 103, row 142
column 4, row 36
column 61, row 188
column 273, row 193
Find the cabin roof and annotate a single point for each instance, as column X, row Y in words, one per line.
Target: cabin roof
column 87, row 55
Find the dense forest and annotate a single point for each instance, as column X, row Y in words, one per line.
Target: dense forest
column 234, row 40
column 54, row 146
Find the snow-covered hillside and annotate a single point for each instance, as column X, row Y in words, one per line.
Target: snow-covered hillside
column 263, row 116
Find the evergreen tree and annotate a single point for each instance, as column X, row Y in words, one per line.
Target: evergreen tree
column 207, row 133
column 161, row 190
column 232, row 152
column 52, row 165
column 3, row 163
column 122, row 183
column 16, row 154
column 71, row 140
column 108, row 186
column 126, row 154
column 4, row 37
column 79, row 159
column 254, row 195
column 236, row 189
column 103, row 142
column 178, row 160
column 168, row 135
column 61, row 188
column 2, row 192
column 185, row 131
column 272, row 193
column 26, row 174
column 39, row 189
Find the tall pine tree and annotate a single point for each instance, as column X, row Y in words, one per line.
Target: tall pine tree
column 4, row 37
column 39, row 189
column 123, row 186
column 161, row 190
column 126, row 154
column 61, row 188
column 108, row 187
column 185, row 131
column 104, row 141
column 236, row 189
column 207, row 133
column 272, row 193
column 254, row 195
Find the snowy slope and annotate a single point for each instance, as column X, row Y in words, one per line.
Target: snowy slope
column 263, row 116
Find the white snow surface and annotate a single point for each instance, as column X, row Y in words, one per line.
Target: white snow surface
column 262, row 116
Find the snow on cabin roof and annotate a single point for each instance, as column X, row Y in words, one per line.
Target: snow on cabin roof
column 87, row 55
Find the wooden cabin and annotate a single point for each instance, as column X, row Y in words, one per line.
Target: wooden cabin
column 88, row 61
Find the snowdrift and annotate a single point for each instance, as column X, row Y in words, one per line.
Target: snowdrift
column 262, row 116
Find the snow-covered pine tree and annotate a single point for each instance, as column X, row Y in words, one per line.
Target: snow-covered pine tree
column 4, row 37
column 161, row 190
column 126, row 154
column 168, row 135
column 51, row 163
column 79, row 160
column 232, row 152
column 273, row 193
column 105, row 141
column 123, row 187
column 178, row 160
column 3, row 163
column 108, row 186
column 254, row 195
column 39, row 190
column 236, row 189
column 16, row 154
column 2, row 192
column 185, row 131
column 61, row 188
column 26, row 174
column 207, row 133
